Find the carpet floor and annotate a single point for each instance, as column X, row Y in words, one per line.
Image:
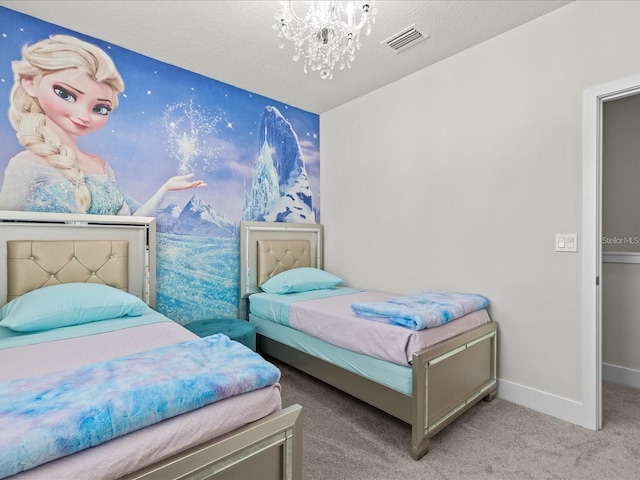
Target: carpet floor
column 345, row 438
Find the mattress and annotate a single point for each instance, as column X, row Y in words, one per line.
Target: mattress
column 391, row 375
column 138, row 449
column 330, row 318
column 10, row 338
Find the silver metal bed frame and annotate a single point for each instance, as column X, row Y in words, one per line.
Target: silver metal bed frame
column 448, row 378
column 269, row 448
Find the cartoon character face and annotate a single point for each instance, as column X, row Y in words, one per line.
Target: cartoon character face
column 72, row 100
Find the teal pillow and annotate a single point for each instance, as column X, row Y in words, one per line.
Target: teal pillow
column 68, row 304
column 302, row 279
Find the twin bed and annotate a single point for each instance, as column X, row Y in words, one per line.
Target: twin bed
column 304, row 317
column 93, row 330
column 426, row 378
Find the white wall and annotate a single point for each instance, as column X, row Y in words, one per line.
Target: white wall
column 458, row 177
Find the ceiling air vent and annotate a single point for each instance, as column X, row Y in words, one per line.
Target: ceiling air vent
column 406, row 38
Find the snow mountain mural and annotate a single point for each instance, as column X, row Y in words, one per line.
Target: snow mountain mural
column 197, row 218
column 280, row 190
column 196, row 235
column 244, row 156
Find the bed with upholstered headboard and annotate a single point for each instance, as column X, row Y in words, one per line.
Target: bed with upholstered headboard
column 433, row 376
column 77, row 302
column 116, row 251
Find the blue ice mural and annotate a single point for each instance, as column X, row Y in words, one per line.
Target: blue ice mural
column 258, row 157
column 280, row 190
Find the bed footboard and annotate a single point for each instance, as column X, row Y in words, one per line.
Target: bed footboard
column 448, row 379
column 270, row 448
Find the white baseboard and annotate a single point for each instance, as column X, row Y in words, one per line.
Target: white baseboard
column 549, row 404
column 621, row 375
column 563, row 408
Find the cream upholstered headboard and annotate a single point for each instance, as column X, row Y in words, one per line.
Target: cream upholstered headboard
column 72, row 231
column 293, row 244
column 33, row 264
column 276, row 256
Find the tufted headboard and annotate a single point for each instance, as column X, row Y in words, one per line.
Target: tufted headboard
column 275, row 256
column 41, row 249
column 267, row 248
column 33, row 264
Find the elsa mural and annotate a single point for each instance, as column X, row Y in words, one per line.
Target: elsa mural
column 197, row 154
column 65, row 88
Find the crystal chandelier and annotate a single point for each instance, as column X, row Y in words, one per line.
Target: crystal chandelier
column 328, row 34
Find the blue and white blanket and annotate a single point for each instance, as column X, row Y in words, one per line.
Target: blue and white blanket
column 50, row 416
column 421, row 310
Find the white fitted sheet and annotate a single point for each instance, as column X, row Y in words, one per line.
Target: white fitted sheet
column 138, row 449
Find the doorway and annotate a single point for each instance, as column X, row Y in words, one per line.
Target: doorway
column 620, row 241
column 593, row 101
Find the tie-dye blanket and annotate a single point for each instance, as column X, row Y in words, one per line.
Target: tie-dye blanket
column 51, row 416
column 422, row 310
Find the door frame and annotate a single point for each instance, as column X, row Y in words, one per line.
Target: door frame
column 593, row 100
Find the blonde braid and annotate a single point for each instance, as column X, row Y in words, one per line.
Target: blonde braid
column 37, row 137
column 27, row 117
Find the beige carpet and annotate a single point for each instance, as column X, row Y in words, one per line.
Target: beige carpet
column 347, row 439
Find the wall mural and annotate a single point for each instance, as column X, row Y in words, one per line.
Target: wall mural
column 95, row 128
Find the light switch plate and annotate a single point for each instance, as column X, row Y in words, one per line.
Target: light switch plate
column 566, row 242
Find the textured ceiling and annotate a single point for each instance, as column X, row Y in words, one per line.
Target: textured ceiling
column 234, row 42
